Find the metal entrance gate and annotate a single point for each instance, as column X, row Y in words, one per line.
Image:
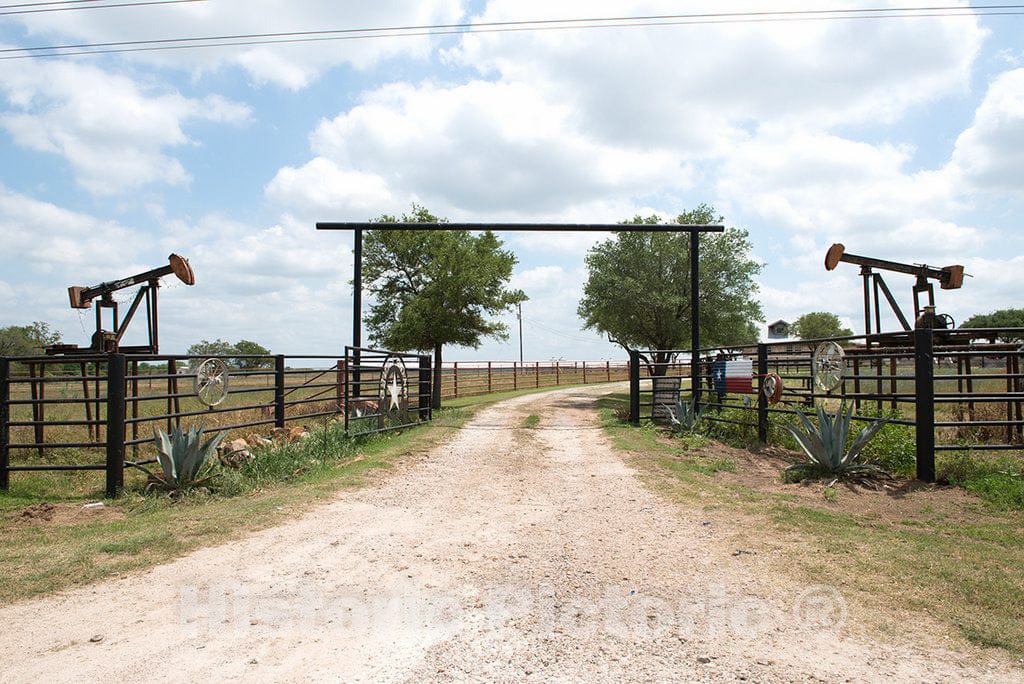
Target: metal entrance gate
column 385, row 390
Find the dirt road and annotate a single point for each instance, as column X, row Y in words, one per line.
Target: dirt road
column 507, row 553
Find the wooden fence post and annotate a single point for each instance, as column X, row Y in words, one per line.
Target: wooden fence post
column 584, row 372
column 558, row 374
column 116, row 371
column 489, row 386
column 455, row 377
column 536, row 370
column 515, row 376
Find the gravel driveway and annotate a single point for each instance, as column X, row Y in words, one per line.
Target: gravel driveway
column 507, row 553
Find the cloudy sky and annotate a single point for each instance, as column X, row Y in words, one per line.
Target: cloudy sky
column 902, row 137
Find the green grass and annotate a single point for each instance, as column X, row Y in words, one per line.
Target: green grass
column 998, row 480
column 531, row 421
column 961, row 561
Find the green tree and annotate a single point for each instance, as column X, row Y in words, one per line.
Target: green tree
column 27, row 340
column 819, row 324
column 1004, row 318
column 243, row 347
column 250, row 348
column 638, row 287
column 433, row 288
column 216, row 348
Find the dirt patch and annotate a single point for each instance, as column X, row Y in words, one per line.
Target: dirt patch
column 63, row 514
column 895, row 500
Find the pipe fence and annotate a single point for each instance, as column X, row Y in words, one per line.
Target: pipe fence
column 961, row 390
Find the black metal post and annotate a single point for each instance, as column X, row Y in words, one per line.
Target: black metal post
column 5, row 419
column 117, row 366
column 426, row 387
column 695, row 318
column 634, row 387
column 762, row 400
column 357, row 308
column 279, row 391
column 924, row 389
column 346, row 407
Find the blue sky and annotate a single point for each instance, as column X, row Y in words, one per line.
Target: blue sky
column 902, row 138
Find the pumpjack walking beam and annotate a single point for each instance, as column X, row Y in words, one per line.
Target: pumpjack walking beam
column 949, row 278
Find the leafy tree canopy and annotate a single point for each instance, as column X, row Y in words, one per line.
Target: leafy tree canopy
column 638, row 288
column 1004, row 318
column 27, row 340
column 243, row 347
column 818, row 324
column 433, row 288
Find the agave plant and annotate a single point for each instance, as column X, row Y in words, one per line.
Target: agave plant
column 682, row 418
column 825, row 445
column 182, row 457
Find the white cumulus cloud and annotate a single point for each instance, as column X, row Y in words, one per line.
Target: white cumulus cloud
column 112, row 131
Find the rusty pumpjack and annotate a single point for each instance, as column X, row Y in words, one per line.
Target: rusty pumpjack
column 949, row 278
column 105, row 341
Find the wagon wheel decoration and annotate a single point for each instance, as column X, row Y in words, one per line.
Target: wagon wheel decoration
column 394, row 390
column 828, row 365
column 211, row 383
column 771, row 388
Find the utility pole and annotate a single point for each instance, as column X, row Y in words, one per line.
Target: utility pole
column 519, row 308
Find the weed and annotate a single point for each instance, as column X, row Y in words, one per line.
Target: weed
column 894, row 448
column 1000, row 481
column 531, row 421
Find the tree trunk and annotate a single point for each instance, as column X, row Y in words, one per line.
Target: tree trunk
column 658, row 365
column 435, row 394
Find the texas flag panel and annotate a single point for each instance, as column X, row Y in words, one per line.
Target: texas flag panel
column 734, row 376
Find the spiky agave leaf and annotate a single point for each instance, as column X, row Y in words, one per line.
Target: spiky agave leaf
column 809, row 440
column 164, row 451
column 806, row 440
column 181, row 455
column 825, row 444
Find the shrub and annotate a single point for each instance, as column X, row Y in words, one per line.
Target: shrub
column 1000, row 481
column 894, row 448
column 741, row 434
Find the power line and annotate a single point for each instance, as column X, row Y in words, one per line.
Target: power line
column 54, row 2
column 505, row 26
column 555, row 331
column 73, row 6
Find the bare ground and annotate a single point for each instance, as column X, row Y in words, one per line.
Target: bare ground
column 506, row 553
